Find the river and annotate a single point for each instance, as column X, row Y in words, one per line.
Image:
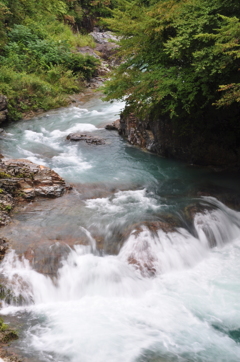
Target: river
column 150, row 270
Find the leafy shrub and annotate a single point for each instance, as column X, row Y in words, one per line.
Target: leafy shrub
column 37, row 69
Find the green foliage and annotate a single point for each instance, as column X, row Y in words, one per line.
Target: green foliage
column 3, row 326
column 39, row 62
column 177, row 55
column 30, row 91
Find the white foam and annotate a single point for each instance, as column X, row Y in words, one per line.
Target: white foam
column 102, row 310
column 124, row 201
column 69, row 159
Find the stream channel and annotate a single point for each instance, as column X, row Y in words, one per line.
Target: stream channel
column 139, row 262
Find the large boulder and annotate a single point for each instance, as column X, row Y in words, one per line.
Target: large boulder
column 22, row 179
column 31, row 179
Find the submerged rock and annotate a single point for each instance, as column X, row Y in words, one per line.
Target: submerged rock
column 84, row 137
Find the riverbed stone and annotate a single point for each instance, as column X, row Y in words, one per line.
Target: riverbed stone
column 84, row 137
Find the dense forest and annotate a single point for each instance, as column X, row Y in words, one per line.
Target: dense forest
column 180, row 64
column 39, row 60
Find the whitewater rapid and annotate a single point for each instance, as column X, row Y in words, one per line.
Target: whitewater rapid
column 168, row 290
column 105, row 309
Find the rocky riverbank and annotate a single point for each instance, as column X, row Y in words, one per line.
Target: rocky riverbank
column 21, row 181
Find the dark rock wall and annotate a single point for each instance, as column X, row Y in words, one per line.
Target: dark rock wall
column 160, row 136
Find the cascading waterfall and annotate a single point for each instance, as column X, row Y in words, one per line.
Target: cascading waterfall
column 169, row 291
column 143, row 254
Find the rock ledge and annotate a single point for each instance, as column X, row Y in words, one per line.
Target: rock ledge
column 24, row 180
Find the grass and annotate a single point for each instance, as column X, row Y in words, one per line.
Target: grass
column 40, row 65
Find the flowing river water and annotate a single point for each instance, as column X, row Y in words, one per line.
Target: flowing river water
column 140, row 262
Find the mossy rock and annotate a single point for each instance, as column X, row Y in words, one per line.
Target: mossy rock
column 7, row 334
column 5, row 175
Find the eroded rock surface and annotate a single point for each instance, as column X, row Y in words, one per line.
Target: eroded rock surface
column 84, row 137
column 159, row 136
column 103, row 37
column 22, row 179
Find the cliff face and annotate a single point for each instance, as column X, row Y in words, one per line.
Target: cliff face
column 160, row 136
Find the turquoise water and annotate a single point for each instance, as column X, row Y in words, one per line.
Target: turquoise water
column 163, row 283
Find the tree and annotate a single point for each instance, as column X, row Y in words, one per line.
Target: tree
column 180, row 58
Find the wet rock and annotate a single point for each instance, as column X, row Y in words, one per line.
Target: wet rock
column 6, row 205
column 22, row 179
column 46, row 257
column 111, row 127
column 160, row 136
column 144, row 234
column 83, row 137
column 147, row 268
column 191, row 210
column 153, row 226
column 33, row 180
column 4, row 245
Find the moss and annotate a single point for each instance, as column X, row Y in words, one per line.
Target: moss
column 5, row 175
column 3, row 326
column 8, row 207
column 20, row 175
column 5, row 207
column 1, row 191
column 25, row 175
column 9, row 336
column 21, row 194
